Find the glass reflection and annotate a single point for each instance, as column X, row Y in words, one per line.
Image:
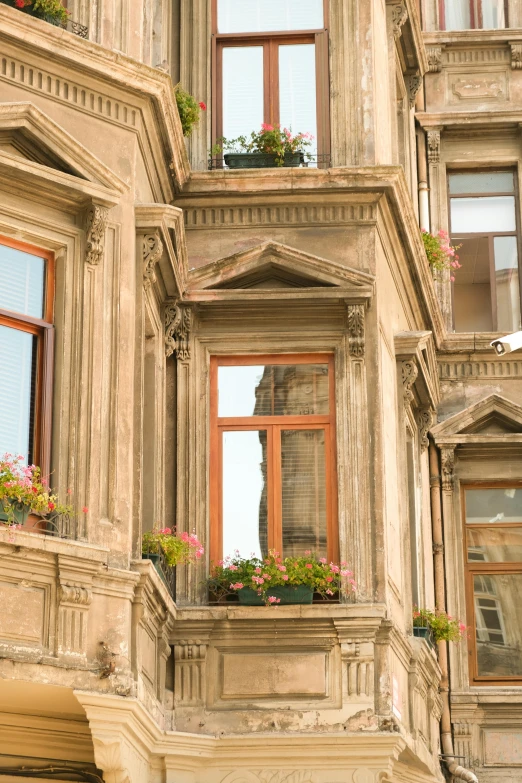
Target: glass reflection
column 21, row 282
column 304, row 491
column 495, row 545
column 273, row 390
column 507, row 283
column 498, row 620
column 242, row 90
column 17, row 354
column 457, row 15
column 483, row 214
column 493, row 14
column 252, row 16
column 482, row 182
column 297, row 106
column 489, row 505
column 245, row 513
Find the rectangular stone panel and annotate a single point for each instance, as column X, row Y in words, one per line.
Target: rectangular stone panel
column 273, row 675
column 502, row 748
column 22, row 617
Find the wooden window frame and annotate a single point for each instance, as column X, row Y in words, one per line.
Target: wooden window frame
column 43, row 330
column 474, row 568
column 489, row 234
column 270, row 41
column 273, row 425
column 475, row 14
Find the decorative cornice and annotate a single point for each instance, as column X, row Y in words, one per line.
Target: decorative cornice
column 434, row 146
column 152, row 250
column 461, row 370
column 278, row 215
column 409, row 373
column 425, row 419
column 414, row 85
column 434, row 54
column 95, row 225
column 355, row 327
column 178, row 325
column 399, row 17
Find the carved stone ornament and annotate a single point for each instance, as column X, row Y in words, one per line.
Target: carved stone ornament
column 399, row 16
column 152, row 250
column 189, row 672
column 434, row 54
column 355, row 317
column 424, row 420
column 409, row 373
column 516, row 56
column 434, row 146
column 95, row 225
column 447, row 459
column 178, row 324
column 414, row 85
column 75, row 594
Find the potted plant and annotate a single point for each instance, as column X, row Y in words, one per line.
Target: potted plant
column 50, row 10
column 436, row 626
column 24, row 493
column 440, row 253
column 164, row 544
column 189, row 109
column 267, row 148
column 276, row 580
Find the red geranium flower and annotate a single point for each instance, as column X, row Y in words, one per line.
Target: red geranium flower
column 20, row 3
column 202, row 105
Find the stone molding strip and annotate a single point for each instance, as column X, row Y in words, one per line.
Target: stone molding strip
column 306, row 214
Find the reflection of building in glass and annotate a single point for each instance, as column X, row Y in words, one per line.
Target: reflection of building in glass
column 497, row 599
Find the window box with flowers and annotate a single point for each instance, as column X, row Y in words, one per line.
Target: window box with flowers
column 437, row 627
column 167, row 549
column 441, row 254
column 271, row 147
column 275, row 580
column 51, row 11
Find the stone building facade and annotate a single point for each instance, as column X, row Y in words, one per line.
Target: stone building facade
column 158, row 270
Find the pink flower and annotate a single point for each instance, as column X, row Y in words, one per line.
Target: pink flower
column 329, row 592
column 334, row 568
column 85, row 510
column 266, row 127
column 273, row 600
column 257, row 570
column 237, row 586
column 202, row 106
column 281, row 568
column 329, row 578
column 308, row 551
column 323, row 560
column 309, row 565
column 266, row 576
column 233, row 567
column 285, row 577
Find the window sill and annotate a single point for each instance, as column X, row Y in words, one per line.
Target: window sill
column 48, row 543
column 295, row 611
column 504, row 35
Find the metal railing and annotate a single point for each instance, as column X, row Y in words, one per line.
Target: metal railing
column 307, row 162
column 166, row 572
column 76, row 28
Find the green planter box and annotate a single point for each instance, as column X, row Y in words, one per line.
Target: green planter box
column 260, row 160
column 20, row 513
column 288, row 594
column 425, row 633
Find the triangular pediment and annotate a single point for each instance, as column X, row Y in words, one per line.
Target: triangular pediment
column 274, row 266
column 30, row 139
column 493, row 417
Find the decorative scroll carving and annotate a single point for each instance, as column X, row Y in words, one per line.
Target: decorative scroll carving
column 414, row 85
column 424, row 420
column 152, row 250
column 189, row 671
column 178, row 324
column 434, row 54
column 355, row 316
column 399, row 16
column 95, row 225
column 434, row 146
column 447, row 457
column 516, row 56
column 75, row 594
column 409, row 373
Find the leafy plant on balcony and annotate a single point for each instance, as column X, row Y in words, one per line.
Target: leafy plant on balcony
column 50, row 10
column 444, row 627
column 189, row 109
column 261, row 575
column 178, row 548
column 270, row 140
column 440, row 253
column 23, row 490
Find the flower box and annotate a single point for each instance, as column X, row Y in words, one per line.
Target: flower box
column 261, row 160
column 425, row 633
column 20, row 513
column 287, row 594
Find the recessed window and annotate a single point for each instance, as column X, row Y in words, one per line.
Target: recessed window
column 483, row 221
column 272, row 458
column 271, row 67
column 26, row 302
column 493, row 547
column 470, row 14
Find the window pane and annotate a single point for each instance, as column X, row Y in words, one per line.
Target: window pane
column 507, row 283
column 304, row 491
column 242, row 90
column 481, row 215
column 273, row 390
column 21, row 282
column 246, row 16
column 498, row 618
column 244, row 493
column 456, row 14
column 482, row 182
column 495, row 545
column 472, row 290
column 485, row 506
column 297, row 90
column 17, row 354
column 493, row 15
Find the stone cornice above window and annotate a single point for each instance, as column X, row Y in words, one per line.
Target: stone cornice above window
column 161, row 238
column 405, row 24
column 492, row 424
column 416, row 350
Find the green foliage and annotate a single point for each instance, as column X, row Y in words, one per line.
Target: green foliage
column 189, row 109
column 50, row 10
column 440, row 253
column 271, row 139
column 444, row 627
column 234, row 573
column 22, row 486
column 179, row 549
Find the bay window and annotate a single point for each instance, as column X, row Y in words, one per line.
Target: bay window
column 273, row 456
column 271, row 66
column 493, row 550
column 484, row 222
column 26, row 338
column 473, row 14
